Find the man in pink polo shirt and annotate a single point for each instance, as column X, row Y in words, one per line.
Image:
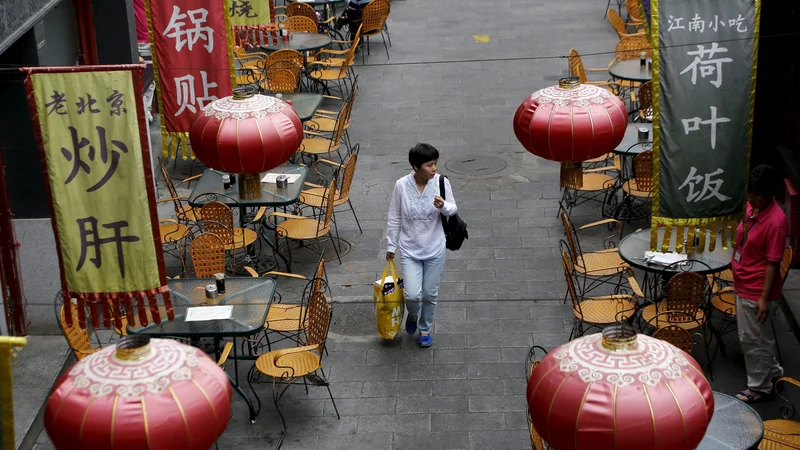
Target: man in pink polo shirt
column 761, row 239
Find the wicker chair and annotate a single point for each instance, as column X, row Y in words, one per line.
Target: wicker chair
column 292, row 56
column 619, row 25
column 300, row 24
column 676, row 336
column 782, row 434
column 684, row 305
column 285, row 367
column 208, row 256
column 631, row 47
column 300, row 228
column 77, row 337
column 634, row 14
column 373, row 22
column 338, row 61
column 326, row 72
column 595, row 186
column 602, row 311
column 645, row 99
column 577, row 70
column 173, row 239
column 185, row 214
column 313, row 197
column 250, row 66
column 532, row 362
column 282, row 76
column 217, row 218
column 325, row 120
column 593, row 269
column 319, row 145
column 637, row 188
column 305, row 10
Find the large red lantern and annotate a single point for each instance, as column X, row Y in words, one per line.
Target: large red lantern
column 620, row 390
column 248, row 134
column 571, row 123
column 154, row 394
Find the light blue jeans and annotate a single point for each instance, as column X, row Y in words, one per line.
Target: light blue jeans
column 421, row 287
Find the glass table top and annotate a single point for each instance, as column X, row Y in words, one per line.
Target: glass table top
column 304, row 103
column 271, row 195
column 629, row 146
column 249, row 297
column 302, row 42
column 631, row 70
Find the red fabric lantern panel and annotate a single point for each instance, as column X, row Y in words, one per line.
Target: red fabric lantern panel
column 241, row 134
column 570, row 122
column 163, row 395
column 585, row 395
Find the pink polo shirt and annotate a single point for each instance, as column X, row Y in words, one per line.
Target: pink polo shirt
column 766, row 239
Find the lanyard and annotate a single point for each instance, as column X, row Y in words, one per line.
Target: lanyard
column 747, row 228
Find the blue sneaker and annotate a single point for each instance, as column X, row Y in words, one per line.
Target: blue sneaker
column 411, row 325
column 425, row 340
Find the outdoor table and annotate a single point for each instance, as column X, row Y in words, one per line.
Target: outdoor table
column 304, row 103
column 631, row 70
column 628, row 145
column 327, row 5
column 302, row 42
column 272, row 197
column 735, row 425
column 627, row 150
column 250, row 299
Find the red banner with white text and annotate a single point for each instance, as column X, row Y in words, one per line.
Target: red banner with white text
column 190, row 41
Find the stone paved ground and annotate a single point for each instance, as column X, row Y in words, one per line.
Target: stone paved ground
column 501, row 292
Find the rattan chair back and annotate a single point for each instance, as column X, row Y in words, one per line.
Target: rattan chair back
column 300, row 24
column 77, row 337
column 676, row 336
column 631, row 47
column 173, row 193
column 634, row 12
column 374, row 16
column 617, row 23
column 293, row 56
column 301, row 9
column 208, row 255
column 283, row 77
column 576, row 65
column 573, row 293
column 318, row 316
column 685, row 294
column 327, row 207
column 643, row 171
column 788, row 256
column 348, row 173
column 646, row 98
column 218, row 219
column 569, row 235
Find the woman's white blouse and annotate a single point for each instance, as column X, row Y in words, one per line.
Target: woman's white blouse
column 414, row 225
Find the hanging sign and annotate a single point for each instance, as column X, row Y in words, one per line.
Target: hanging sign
column 190, row 43
column 253, row 21
column 704, row 58
column 89, row 121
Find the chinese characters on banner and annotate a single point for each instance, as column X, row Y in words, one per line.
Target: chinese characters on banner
column 89, row 122
column 190, row 43
column 703, row 95
column 253, row 21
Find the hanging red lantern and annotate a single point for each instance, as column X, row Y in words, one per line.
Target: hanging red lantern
column 246, row 133
column 619, row 390
column 155, row 394
column 571, row 123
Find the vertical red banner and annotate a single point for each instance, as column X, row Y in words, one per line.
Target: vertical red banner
column 190, row 42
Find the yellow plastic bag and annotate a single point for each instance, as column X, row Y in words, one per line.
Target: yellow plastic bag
column 389, row 303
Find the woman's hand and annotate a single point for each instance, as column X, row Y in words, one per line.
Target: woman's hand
column 389, row 256
column 438, row 202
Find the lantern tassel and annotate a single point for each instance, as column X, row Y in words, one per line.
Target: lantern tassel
column 571, row 175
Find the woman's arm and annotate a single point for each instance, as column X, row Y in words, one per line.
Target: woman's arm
column 393, row 221
column 449, row 208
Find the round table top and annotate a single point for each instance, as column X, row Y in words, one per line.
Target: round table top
column 734, row 425
column 319, row 2
column 302, row 42
column 630, row 144
column 633, row 246
column 630, row 70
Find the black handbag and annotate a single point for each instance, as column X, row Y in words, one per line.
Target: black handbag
column 455, row 229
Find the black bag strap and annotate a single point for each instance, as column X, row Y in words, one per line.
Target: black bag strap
column 442, row 194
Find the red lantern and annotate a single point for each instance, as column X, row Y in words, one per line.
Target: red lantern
column 247, row 134
column 620, row 390
column 570, row 123
column 156, row 395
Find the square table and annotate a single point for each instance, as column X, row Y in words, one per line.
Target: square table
column 249, row 297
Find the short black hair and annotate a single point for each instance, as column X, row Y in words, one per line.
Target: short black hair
column 763, row 180
column 422, row 153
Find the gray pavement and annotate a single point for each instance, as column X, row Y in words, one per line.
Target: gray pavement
column 502, row 292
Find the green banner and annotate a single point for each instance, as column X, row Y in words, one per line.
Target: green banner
column 703, row 89
column 90, row 137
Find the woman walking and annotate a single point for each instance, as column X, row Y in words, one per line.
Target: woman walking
column 415, row 229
